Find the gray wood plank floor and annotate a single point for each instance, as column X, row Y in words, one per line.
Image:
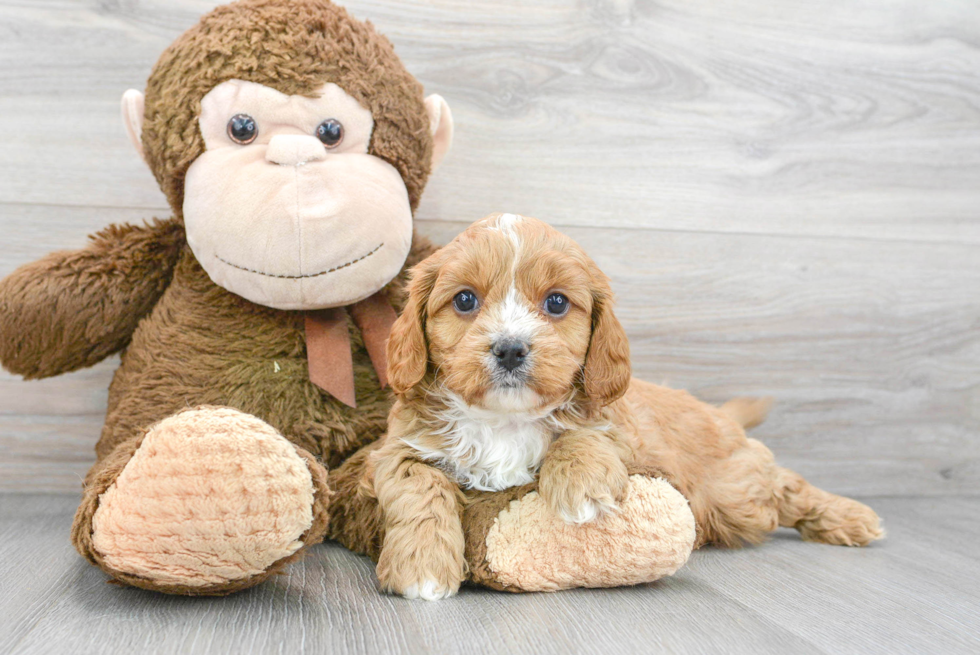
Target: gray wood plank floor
column 916, row 592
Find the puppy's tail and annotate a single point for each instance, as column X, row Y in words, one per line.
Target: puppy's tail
column 748, row 412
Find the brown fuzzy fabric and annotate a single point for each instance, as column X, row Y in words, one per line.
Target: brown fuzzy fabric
column 73, row 309
column 203, row 345
column 100, row 477
column 478, row 517
column 356, row 520
column 321, row 501
column 293, row 46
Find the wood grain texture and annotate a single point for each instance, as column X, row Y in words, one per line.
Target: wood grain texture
column 915, row 592
column 786, row 199
column 837, row 119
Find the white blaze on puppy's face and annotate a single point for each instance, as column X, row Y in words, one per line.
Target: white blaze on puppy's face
column 512, row 264
column 514, row 319
column 286, row 208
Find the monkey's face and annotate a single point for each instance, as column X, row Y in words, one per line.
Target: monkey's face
column 285, row 207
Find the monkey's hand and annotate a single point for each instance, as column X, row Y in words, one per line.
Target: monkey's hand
column 584, row 474
column 73, row 309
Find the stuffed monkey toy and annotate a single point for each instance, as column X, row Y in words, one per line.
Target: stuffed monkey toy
column 293, row 147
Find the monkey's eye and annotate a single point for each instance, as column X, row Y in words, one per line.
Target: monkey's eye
column 242, row 129
column 330, row 132
column 465, row 302
column 556, row 304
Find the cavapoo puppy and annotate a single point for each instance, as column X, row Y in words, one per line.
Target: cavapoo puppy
column 508, row 363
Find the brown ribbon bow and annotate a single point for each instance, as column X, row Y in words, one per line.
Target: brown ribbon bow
column 328, row 344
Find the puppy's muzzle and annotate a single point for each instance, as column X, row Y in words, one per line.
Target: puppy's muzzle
column 510, row 354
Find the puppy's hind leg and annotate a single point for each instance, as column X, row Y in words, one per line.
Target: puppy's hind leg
column 822, row 516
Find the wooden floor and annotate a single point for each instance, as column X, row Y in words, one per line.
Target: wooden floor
column 916, row 592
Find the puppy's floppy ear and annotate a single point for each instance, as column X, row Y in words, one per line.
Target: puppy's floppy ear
column 407, row 350
column 607, row 364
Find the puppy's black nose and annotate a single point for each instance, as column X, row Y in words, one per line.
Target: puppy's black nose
column 510, row 353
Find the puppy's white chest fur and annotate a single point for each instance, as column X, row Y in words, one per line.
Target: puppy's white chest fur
column 489, row 451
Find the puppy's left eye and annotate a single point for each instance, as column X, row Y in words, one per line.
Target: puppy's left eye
column 465, row 302
column 556, row 304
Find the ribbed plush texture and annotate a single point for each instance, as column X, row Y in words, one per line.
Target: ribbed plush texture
column 186, row 341
column 211, row 496
column 100, row 484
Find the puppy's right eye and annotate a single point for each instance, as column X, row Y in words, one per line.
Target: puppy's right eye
column 465, row 302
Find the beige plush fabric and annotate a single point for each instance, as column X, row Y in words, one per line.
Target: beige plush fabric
column 212, row 495
column 531, row 548
column 285, row 221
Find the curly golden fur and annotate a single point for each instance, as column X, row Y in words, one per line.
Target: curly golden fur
column 573, row 416
column 458, row 422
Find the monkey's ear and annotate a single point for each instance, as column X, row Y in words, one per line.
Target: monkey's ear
column 132, row 114
column 441, row 126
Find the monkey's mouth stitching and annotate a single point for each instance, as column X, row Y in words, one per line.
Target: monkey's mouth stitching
column 299, row 277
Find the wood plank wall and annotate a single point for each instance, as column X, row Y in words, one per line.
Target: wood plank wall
column 786, row 195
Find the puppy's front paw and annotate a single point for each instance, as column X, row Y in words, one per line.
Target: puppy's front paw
column 419, row 585
column 428, row 590
column 414, row 567
column 581, row 492
column 588, row 510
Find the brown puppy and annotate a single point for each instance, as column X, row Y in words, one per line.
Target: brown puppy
column 508, row 363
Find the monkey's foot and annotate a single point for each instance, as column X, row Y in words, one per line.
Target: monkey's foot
column 527, row 547
column 212, row 500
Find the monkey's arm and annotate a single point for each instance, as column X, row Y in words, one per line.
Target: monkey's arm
column 73, row 309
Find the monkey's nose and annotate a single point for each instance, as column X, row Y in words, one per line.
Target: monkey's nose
column 510, row 353
column 294, row 149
